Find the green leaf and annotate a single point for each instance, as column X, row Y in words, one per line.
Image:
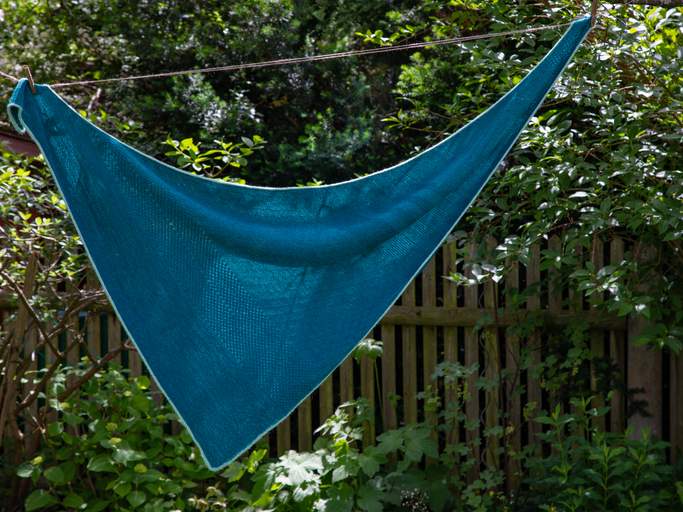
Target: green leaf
column 625, row 309
column 390, row 441
column 25, row 470
column 136, row 498
column 125, row 455
column 68, row 469
column 140, row 403
column 39, row 499
column 72, row 501
column 185, row 437
column 371, row 460
column 122, row 488
column 101, row 462
column 97, row 505
column 369, row 499
column 55, row 475
column 340, row 499
column 55, row 428
column 71, row 418
column 142, row 382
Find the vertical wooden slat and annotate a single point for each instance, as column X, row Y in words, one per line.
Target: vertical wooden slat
column 471, row 344
column 597, row 345
column 677, row 411
column 326, row 399
column 644, row 364
column 284, row 436
column 597, row 338
column 305, row 434
column 617, row 351
column 429, row 346
column 511, row 363
column 50, row 358
column 450, row 334
column 346, row 385
column 389, row 376
column 409, row 361
column 367, row 387
column 533, row 275
column 114, row 335
column 93, row 329
column 135, row 363
column 555, row 296
column 492, row 366
column 346, row 381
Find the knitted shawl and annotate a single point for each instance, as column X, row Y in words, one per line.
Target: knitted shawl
column 240, row 299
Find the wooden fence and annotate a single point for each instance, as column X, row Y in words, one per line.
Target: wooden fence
column 434, row 322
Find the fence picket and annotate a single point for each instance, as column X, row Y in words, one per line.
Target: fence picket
column 106, row 330
column 533, row 275
column 429, row 346
column 450, row 334
column 409, row 361
column 512, row 364
column 367, row 389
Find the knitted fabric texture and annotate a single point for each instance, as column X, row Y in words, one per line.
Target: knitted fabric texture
column 241, row 299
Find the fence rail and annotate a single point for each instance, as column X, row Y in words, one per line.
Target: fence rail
column 435, row 322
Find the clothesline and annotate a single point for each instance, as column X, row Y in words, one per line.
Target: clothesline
column 313, row 58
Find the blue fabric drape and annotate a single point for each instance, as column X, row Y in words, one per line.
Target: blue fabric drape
column 241, row 299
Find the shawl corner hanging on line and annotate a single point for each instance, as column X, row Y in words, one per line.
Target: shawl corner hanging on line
column 242, row 300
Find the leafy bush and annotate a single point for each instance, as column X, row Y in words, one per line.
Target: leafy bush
column 108, row 448
column 601, row 471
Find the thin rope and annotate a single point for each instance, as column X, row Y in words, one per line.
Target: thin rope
column 328, row 56
column 9, row 76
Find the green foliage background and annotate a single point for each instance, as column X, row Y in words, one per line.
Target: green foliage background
column 602, row 160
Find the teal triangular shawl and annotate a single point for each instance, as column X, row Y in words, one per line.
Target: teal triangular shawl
column 241, row 299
